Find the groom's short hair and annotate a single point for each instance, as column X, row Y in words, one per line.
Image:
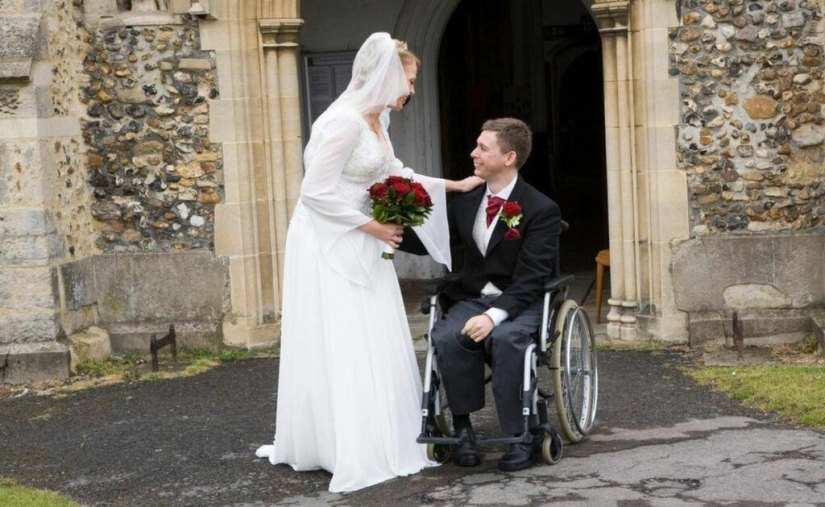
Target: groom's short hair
column 513, row 135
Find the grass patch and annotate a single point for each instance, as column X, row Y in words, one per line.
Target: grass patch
column 189, row 362
column 13, row 495
column 133, row 367
column 199, row 365
column 795, row 392
column 636, row 345
column 224, row 356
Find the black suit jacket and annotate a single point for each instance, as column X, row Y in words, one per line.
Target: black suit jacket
column 518, row 267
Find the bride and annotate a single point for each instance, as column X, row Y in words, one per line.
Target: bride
column 349, row 387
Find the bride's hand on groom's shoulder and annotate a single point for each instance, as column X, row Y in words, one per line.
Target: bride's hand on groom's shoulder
column 465, row 185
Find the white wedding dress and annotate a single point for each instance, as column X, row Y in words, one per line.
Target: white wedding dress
column 349, row 388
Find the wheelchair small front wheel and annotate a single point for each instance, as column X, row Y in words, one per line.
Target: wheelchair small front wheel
column 439, row 453
column 551, row 447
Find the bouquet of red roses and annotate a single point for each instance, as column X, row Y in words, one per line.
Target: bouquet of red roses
column 400, row 201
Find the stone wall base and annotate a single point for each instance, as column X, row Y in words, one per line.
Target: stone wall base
column 760, row 327
column 776, row 284
column 92, row 344
column 819, row 330
column 33, row 362
column 132, row 296
column 237, row 334
column 135, row 338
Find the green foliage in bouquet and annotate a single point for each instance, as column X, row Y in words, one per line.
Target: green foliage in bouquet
column 401, row 201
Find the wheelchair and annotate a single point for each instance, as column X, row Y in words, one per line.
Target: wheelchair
column 560, row 365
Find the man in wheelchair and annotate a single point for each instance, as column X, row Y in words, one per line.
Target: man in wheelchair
column 510, row 232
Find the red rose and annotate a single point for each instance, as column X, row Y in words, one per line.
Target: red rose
column 512, row 234
column 511, row 209
column 399, row 200
column 401, row 188
column 379, row 191
column 422, row 198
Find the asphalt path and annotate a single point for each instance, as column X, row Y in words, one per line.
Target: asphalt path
column 660, row 440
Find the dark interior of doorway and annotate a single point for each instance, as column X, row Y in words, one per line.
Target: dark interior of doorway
column 476, row 72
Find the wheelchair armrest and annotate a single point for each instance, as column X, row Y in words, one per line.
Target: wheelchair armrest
column 559, row 283
column 441, row 284
column 432, row 290
column 436, row 289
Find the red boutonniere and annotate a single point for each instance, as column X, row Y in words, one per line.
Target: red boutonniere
column 511, row 215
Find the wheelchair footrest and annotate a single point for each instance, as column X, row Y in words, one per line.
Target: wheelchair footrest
column 525, row 438
column 423, row 439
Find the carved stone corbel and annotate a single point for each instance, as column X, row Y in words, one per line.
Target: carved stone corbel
column 611, row 15
column 280, row 33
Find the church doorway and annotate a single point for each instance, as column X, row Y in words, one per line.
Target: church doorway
column 539, row 61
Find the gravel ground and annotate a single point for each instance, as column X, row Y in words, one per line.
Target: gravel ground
column 191, row 441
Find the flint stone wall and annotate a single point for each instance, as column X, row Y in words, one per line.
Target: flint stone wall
column 751, row 130
column 97, row 109
column 156, row 176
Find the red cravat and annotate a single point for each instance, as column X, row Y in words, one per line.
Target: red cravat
column 493, row 205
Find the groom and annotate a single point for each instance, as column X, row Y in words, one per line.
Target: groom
column 510, row 235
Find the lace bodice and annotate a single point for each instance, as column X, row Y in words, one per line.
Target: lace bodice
column 367, row 164
column 343, row 159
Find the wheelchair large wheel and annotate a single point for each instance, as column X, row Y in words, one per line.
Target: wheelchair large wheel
column 442, row 418
column 575, row 372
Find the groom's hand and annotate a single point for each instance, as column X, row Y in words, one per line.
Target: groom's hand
column 479, row 327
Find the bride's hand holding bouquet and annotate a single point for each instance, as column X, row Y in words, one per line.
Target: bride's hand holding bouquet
column 401, row 201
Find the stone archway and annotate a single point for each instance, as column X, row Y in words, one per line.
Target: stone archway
column 422, row 24
column 647, row 196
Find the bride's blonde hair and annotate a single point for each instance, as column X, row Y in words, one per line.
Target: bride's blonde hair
column 405, row 54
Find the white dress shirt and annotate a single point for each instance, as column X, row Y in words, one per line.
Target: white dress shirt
column 481, row 235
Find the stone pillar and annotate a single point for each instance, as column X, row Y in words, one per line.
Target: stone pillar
column 29, row 129
column 620, row 147
column 647, row 195
column 257, row 118
column 282, row 94
column 663, row 210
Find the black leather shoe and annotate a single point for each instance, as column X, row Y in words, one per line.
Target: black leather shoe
column 519, row 457
column 466, row 454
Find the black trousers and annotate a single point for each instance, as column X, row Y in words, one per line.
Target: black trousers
column 461, row 360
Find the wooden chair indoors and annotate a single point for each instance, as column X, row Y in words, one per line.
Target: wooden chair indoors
column 602, row 263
